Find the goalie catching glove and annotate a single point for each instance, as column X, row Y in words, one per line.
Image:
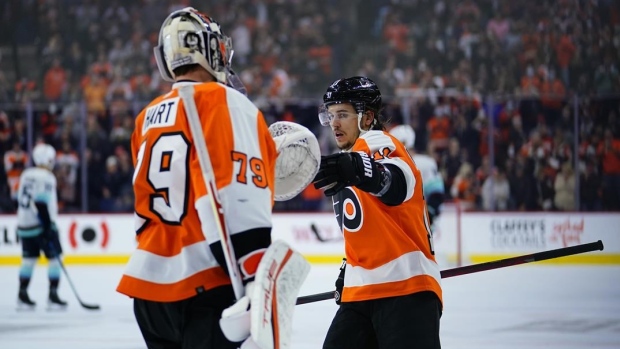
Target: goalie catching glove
column 342, row 170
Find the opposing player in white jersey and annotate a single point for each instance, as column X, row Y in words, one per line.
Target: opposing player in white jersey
column 433, row 185
column 36, row 224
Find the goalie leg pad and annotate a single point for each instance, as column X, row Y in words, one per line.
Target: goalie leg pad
column 280, row 274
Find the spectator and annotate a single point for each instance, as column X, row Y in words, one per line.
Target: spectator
column 589, row 188
column 452, row 162
column 121, row 133
column 564, row 51
column 495, row 192
column 609, row 151
column 111, row 186
column 15, row 162
column 606, row 77
column 552, row 97
column 5, row 132
column 18, row 134
column 523, row 190
column 55, row 81
column 565, row 188
column 48, row 124
column 545, row 190
column 498, row 27
column 242, row 38
column 464, row 188
column 439, row 129
column 66, row 170
column 76, row 60
column 118, row 53
column 95, row 91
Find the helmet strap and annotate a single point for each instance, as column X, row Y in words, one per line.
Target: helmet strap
column 360, row 116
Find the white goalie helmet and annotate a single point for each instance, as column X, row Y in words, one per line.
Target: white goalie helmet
column 189, row 37
column 44, row 155
column 405, row 134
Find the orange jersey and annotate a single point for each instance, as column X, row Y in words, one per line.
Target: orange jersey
column 388, row 248
column 173, row 216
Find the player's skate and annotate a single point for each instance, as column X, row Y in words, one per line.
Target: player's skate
column 54, row 302
column 24, row 302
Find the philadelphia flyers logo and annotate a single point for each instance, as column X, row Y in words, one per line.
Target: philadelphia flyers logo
column 348, row 210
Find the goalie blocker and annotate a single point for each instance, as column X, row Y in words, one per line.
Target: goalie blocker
column 263, row 317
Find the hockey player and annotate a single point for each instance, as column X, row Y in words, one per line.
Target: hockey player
column 390, row 293
column 37, row 211
column 178, row 275
column 433, row 185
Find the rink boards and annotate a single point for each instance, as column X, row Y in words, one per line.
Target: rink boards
column 460, row 238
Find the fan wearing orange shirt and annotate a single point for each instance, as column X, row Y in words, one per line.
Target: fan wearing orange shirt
column 177, row 276
column 389, row 289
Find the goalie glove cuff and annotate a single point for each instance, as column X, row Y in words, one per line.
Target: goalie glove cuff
column 380, row 184
column 236, row 319
column 249, row 344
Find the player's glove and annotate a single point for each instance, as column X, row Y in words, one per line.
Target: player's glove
column 342, row 170
column 50, row 237
column 340, row 282
column 51, row 233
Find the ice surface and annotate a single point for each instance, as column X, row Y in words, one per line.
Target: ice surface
column 527, row 306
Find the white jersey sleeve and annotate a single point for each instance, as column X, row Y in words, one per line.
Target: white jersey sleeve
column 431, row 178
column 35, row 185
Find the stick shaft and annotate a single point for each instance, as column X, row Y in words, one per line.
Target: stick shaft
column 528, row 258
column 64, row 270
column 187, row 95
column 534, row 257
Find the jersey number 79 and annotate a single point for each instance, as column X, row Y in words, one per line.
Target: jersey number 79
column 168, row 174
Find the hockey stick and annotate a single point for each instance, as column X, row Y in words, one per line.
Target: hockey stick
column 187, row 95
column 318, row 236
column 528, row 258
column 84, row 305
column 64, row 270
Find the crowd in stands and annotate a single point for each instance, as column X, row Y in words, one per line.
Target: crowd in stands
column 490, row 87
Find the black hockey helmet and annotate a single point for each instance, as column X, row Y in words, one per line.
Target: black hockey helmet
column 355, row 90
column 360, row 91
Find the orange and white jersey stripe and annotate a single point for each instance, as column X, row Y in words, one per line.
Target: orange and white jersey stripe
column 173, row 218
column 388, row 248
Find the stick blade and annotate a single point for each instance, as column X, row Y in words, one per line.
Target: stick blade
column 90, row 306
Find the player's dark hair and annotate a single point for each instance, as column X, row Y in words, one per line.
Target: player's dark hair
column 186, row 69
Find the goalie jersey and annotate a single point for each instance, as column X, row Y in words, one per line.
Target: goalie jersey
column 389, row 249
column 173, row 217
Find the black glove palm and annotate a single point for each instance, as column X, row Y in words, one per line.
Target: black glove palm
column 342, row 170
